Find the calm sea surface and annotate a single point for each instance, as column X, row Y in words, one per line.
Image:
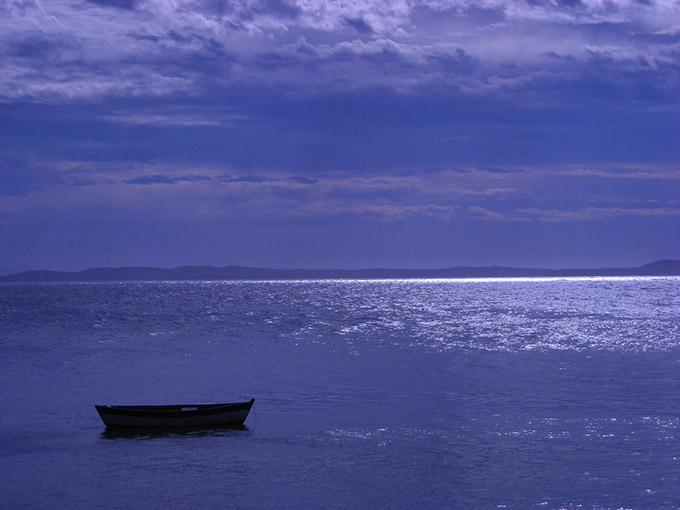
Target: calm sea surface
column 517, row 394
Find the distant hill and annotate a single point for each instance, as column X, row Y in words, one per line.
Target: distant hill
column 659, row 268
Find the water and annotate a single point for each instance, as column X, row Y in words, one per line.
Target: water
column 463, row 394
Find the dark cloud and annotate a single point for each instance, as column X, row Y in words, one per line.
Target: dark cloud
column 246, row 178
column 495, row 170
column 552, row 54
column 281, row 8
column 359, row 24
column 557, row 4
column 570, row 3
column 301, row 179
column 216, row 8
column 151, row 179
column 164, row 179
column 193, row 178
column 79, row 181
column 118, row 4
column 457, row 62
column 32, row 47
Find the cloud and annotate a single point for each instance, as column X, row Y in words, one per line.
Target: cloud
column 210, row 191
column 563, row 216
column 398, row 212
column 164, row 179
column 382, row 212
column 625, row 171
column 151, row 179
column 594, row 213
column 65, row 51
column 489, row 192
column 481, row 213
column 173, row 191
column 496, row 170
column 173, row 116
column 301, row 179
column 256, row 179
column 359, row 24
column 118, row 4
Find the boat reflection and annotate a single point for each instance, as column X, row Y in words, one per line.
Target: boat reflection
column 159, row 433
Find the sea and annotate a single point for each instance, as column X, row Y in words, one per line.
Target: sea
column 541, row 393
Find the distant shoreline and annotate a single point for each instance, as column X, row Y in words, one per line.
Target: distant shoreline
column 658, row 268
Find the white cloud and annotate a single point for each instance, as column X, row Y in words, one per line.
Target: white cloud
column 593, row 213
column 482, row 213
column 171, row 116
column 62, row 49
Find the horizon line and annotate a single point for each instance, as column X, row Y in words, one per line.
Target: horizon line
column 664, row 267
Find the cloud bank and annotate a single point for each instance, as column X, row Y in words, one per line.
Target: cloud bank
column 66, row 51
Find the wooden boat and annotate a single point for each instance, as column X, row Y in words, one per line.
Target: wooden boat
column 175, row 416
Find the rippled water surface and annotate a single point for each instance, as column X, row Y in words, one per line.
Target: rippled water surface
column 535, row 393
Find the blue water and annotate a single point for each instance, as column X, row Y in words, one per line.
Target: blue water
column 546, row 394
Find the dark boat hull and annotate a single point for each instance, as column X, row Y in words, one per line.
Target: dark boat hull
column 175, row 416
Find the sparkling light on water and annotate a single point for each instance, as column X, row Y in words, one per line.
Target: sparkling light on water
column 523, row 393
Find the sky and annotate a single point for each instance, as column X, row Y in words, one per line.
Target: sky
column 339, row 134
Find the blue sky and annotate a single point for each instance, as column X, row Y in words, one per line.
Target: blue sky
column 339, row 134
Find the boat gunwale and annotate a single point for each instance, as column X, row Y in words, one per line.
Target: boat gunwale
column 174, row 411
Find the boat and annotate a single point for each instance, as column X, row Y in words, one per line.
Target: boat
column 175, row 416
